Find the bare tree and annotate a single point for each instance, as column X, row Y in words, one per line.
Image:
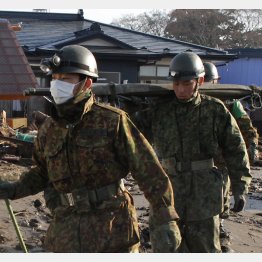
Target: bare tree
column 252, row 31
column 209, row 27
column 252, row 18
column 218, row 28
column 153, row 22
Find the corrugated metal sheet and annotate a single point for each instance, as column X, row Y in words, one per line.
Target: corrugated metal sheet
column 243, row 71
column 15, row 71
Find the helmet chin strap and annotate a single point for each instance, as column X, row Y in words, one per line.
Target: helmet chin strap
column 196, row 89
column 82, row 94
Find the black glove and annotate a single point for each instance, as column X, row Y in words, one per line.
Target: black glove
column 7, row 190
column 240, row 202
column 52, row 198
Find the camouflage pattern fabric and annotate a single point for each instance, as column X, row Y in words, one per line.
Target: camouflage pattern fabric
column 250, row 135
column 98, row 150
column 207, row 230
column 248, row 131
column 161, row 239
column 110, row 228
column 194, row 131
column 226, row 190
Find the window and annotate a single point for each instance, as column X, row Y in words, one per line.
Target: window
column 153, row 74
column 107, row 77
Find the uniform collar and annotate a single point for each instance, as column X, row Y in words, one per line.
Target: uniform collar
column 88, row 104
column 195, row 101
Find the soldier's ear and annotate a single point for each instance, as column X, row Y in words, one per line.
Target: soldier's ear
column 88, row 83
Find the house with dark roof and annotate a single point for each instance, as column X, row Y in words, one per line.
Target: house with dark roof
column 122, row 54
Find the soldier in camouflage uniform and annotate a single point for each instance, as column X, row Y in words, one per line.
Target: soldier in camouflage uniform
column 186, row 131
column 250, row 136
column 82, row 152
column 249, row 132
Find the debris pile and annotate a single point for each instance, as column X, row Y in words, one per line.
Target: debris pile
column 16, row 144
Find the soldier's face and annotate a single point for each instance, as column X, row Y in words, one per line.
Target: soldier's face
column 69, row 78
column 184, row 89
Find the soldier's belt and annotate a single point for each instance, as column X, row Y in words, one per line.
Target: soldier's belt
column 171, row 166
column 88, row 198
column 187, row 166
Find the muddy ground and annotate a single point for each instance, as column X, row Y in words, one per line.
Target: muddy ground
column 33, row 217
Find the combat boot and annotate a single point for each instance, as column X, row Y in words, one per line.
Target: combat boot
column 225, row 239
column 227, row 249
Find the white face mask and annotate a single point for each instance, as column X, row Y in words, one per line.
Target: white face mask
column 61, row 91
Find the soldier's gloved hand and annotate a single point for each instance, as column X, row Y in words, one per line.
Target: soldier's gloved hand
column 7, row 190
column 52, row 198
column 240, row 202
column 165, row 238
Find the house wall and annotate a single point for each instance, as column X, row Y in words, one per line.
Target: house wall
column 242, row 71
column 128, row 69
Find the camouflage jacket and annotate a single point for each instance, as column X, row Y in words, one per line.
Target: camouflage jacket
column 194, row 131
column 248, row 131
column 98, row 150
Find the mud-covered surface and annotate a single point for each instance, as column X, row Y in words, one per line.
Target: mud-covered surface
column 33, row 217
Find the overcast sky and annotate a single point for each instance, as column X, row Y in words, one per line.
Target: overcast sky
column 107, row 15
column 104, row 15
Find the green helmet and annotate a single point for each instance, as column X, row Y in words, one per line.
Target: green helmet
column 71, row 59
column 186, row 66
column 210, row 72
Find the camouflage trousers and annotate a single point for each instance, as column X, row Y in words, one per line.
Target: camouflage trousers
column 226, row 194
column 200, row 236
